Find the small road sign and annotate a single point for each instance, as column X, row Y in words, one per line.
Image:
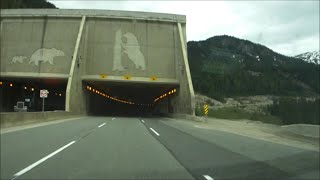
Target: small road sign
column 153, row 78
column 44, row 93
column 206, row 109
column 127, row 77
column 102, row 76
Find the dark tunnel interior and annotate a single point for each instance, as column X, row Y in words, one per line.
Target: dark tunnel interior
column 27, row 90
column 127, row 99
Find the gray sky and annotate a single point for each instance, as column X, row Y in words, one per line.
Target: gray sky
column 287, row 27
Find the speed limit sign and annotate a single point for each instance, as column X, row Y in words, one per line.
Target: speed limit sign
column 44, row 93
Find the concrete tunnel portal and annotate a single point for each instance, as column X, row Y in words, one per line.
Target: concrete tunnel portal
column 128, row 99
column 102, row 62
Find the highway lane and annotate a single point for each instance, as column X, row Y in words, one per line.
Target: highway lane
column 224, row 155
column 147, row 148
column 121, row 148
column 21, row 148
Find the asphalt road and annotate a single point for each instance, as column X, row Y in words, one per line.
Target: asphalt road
column 147, row 148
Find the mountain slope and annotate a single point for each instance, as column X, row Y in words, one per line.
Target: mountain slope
column 227, row 66
column 23, row 4
column 310, row 57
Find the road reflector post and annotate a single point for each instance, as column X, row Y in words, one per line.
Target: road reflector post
column 206, row 111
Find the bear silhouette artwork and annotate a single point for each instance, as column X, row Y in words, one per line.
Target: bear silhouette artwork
column 127, row 44
column 132, row 49
column 117, row 62
column 18, row 59
column 45, row 55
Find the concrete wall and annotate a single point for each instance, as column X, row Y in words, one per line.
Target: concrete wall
column 130, row 47
column 22, row 118
column 184, row 101
column 37, row 45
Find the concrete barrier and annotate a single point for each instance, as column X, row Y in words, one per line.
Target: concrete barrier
column 10, row 119
column 306, row 130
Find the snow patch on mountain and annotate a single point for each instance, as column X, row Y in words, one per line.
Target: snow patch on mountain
column 310, row 57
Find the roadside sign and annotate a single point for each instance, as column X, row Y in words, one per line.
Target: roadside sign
column 206, row 109
column 127, row 77
column 153, row 78
column 44, row 93
column 103, row 76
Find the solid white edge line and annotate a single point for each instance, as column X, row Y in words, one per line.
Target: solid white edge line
column 142, row 121
column 101, row 125
column 41, row 160
column 208, row 177
column 155, row 132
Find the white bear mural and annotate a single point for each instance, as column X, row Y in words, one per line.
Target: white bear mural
column 18, row 59
column 117, row 64
column 131, row 47
column 45, row 55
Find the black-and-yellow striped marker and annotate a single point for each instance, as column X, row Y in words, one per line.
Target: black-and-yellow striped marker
column 206, row 109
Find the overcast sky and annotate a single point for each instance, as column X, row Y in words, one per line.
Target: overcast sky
column 287, row 27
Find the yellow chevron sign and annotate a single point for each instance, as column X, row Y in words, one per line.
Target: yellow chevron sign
column 102, row 76
column 127, row 77
column 206, row 109
column 153, row 78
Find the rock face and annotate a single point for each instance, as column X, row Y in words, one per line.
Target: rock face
column 252, row 104
column 201, row 99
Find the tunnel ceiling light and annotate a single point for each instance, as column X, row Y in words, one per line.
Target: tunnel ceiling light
column 32, row 89
column 60, row 94
column 25, row 87
column 10, row 84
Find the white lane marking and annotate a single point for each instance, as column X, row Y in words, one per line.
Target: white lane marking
column 101, row 125
column 113, row 119
column 142, row 121
column 41, row 160
column 208, row 177
column 155, row 132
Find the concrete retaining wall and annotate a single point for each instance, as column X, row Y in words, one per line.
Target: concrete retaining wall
column 22, row 118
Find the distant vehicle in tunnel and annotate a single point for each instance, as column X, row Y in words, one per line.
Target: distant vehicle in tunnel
column 20, row 107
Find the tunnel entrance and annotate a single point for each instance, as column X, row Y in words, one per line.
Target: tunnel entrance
column 128, row 99
column 26, row 91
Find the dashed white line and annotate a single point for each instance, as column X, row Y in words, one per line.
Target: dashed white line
column 155, row 132
column 208, row 177
column 142, row 121
column 41, row 161
column 101, row 125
